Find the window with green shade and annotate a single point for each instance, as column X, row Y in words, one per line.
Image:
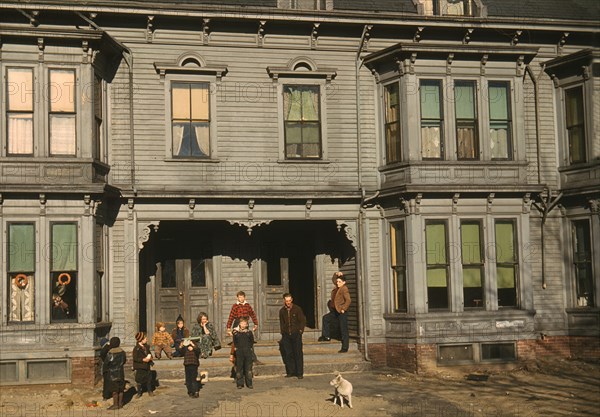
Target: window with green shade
column 21, row 272
column 392, row 123
column 500, row 119
column 436, row 242
column 398, row 255
column 575, row 124
column 506, row 263
column 63, row 272
column 582, row 261
column 190, row 118
column 432, row 120
column 472, row 264
column 467, row 137
column 302, row 121
column 19, row 111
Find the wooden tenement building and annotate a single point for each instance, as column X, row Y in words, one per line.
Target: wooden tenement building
column 157, row 157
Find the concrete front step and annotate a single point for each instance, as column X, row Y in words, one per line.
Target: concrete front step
column 319, row 358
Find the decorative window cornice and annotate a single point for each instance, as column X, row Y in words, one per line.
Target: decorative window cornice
column 191, row 64
column 302, row 67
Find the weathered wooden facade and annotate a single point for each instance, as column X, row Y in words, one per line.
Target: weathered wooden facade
column 157, row 158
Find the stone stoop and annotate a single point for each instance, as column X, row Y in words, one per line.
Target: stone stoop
column 319, row 358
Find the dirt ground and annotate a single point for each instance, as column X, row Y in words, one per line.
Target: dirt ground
column 553, row 388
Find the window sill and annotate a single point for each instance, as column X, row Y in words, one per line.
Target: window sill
column 579, row 166
column 199, row 160
column 303, row 161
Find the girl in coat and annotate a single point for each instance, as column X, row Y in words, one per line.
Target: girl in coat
column 209, row 339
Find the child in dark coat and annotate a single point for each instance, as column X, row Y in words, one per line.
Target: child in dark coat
column 191, row 362
column 243, row 342
column 115, row 359
column 142, row 360
column 179, row 333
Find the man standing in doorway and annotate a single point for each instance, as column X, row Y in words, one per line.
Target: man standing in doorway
column 292, row 322
column 340, row 300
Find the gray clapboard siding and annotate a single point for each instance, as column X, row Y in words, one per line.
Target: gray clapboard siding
column 117, row 294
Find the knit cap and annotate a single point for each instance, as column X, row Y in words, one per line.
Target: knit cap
column 139, row 336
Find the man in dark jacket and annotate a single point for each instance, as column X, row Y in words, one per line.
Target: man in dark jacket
column 292, row 322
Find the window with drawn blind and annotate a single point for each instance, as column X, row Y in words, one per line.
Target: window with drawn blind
column 190, row 119
column 20, row 96
column 62, row 112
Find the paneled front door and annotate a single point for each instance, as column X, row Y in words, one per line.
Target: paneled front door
column 184, row 286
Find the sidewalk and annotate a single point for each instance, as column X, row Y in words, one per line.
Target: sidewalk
column 559, row 388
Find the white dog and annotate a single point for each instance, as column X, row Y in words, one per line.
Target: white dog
column 343, row 390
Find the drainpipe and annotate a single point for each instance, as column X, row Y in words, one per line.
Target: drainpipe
column 128, row 58
column 548, row 204
column 360, row 232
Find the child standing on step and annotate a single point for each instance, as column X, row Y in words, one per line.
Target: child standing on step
column 242, row 309
column 243, row 340
column 191, row 362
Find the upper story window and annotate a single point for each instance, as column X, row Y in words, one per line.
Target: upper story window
column 500, row 119
column 432, row 119
column 467, row 137
column 582, row 263
column 398, row 264
column 392, row 123
column 302, row 121
column 62, row 113
column 19, row 115
column 575, row 124
column 449, row 7
column 21, row 271
column 190, row 120
column 436, row 240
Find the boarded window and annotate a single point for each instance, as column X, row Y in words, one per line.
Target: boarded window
column 46, row 371
column 302, row 121
column 472, row 264
column 63, row 271
column 500, row 120
column 191, row 119
column 575, row 124
column 21, row 271
column 61, row 98
column 432, row 139
column 168, row 274
column 399, row 266
column 467, row 137
column 506, row 263
column 498, row 351
column 437, row 264
column 582, row 260
column 392, row 123
column 8, row 372
column 19, row 115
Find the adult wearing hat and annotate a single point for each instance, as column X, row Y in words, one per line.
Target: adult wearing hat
column 142, row 360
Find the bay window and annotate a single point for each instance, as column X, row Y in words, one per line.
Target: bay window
column 506, row 263
column 575, row 124
column 398, row 264
column 436, row 239
column 392, row 123
column 62, row 113
column 472, row 264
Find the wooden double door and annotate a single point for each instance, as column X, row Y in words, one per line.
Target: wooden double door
column 184, row 286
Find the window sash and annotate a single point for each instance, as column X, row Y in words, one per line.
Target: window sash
column 582, row 261
column 63, row 249
column 472, row 264
column 575, row 124
column 432, row 138
column 500, row 119
column 398, row 263
column 436, row 243
column 20, row 96
column 392, row 123
column 21, row 247
column 190, row 119
column 467, row 136
column 506, row 263
column 62, row 114
column 302, row 122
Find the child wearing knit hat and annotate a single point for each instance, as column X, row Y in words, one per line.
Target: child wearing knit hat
column 142, row 361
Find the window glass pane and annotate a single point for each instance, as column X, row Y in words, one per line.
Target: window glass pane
column 21, row 248
column 505, row 250
column 168, row 277
column 582, row 245
column 200, row 101
column 436, row 277
column 499, row 139
column 430, row 99
column 577, row 144
column 292, row 103
column 391, row 102
column 63, row 303
column 22, row 295
column 64, row 247
column 62, row 135
column 61, row 91
column 20, row 133
column 472, row 278
column 498, row 99
column 19, row 89
column 574, row 104
column 436, row 243
column 293, row 133
column 181, row 101
column 201, row 137
column 470, row 243
column 310, row 104
column 582, row 258
column 310, row 133
column 506, row 276
column 464, row 100
column 198, row 272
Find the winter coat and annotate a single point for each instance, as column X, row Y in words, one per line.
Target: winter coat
column 341, row 298
column 162, row 339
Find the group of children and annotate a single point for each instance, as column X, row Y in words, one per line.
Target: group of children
column 200, row 343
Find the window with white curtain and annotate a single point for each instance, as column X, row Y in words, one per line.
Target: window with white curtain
column 19, row 115
column 62, row 113
column 302, row 121
column 432, row 119
column 465, row 108
column 500, row 119
column 190, row 119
